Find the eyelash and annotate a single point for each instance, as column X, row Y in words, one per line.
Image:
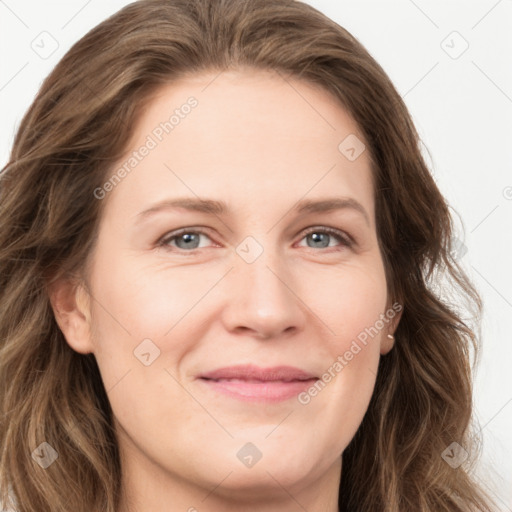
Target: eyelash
column 346, row 240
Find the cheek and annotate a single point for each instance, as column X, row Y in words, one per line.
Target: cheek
column 162, row 305
column 349, row 301
column 352, row 307
column 151, row 300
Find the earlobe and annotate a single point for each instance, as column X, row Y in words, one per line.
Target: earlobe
column 388, row 338
column 71, row 304
column 387, row 344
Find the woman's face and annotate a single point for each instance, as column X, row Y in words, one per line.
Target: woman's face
column 248, row 285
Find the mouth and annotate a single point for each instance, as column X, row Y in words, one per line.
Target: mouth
column 254, row 384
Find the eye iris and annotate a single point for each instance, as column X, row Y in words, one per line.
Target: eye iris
column 317, row 238
column 188, row 237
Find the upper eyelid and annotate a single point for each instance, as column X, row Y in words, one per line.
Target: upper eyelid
column 343, row 235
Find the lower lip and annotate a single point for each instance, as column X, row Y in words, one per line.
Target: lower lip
column 268, row 391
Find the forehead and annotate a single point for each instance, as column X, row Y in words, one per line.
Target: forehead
column 242, row 134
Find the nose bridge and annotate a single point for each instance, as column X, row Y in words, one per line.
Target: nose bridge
column 262, row 298
column 259, row 265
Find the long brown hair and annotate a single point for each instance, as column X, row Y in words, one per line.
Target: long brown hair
column 80, row 123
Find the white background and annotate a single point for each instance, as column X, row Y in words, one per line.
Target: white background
column 462, row 108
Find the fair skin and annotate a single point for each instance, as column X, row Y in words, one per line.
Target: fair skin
column 259, row 145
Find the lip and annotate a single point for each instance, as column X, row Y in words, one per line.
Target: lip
column 255, row 384
column 252, row 372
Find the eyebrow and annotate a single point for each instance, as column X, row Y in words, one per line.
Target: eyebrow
column 215, row 207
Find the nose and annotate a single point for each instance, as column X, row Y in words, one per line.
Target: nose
column 264, row 300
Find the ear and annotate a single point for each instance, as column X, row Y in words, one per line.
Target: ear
column 394, row 314
column 71, row 306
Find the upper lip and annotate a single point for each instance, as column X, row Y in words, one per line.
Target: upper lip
column 252, row 372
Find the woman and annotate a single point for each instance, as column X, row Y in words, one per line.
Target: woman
column 260, row 371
